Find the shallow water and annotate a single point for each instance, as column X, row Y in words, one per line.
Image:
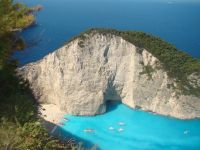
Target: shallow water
column 141, row 130
column 177, row 22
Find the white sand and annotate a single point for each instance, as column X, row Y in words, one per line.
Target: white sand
column 51, row 113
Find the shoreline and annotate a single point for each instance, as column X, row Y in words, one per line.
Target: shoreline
column 51, row 116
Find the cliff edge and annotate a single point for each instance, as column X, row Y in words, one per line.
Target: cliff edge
column 101, row 65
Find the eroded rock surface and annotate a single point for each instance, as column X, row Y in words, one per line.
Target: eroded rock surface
column 82, row 75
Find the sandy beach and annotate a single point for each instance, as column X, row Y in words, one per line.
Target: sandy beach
column 51, row 114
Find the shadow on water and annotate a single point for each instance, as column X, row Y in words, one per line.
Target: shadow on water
column 135, row 142
column 68, row 138
column 64, row 135
column 111, row 105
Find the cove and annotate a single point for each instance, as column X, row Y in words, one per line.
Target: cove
column 123, row 128
column 177, row 23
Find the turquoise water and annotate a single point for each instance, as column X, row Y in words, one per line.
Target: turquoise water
column 176, row 21
column 142, row 130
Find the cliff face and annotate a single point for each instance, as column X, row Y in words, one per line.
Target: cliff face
column 82, row 75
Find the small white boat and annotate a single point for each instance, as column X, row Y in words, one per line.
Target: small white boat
column 111, row 128
column 121, row 123
column 186, row 132
column 120, row 129
column 88, row 130
column 66, row 119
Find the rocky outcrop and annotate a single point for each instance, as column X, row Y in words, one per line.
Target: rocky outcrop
column 83, row 74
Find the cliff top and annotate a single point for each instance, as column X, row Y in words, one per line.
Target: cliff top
column 181, row 67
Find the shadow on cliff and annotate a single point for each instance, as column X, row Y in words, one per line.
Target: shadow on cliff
column 69, row 138
column 111, row 105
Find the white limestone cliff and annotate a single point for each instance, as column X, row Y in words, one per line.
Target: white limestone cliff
column 82, row 75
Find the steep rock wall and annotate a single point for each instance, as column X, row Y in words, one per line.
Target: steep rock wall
column 82, row 75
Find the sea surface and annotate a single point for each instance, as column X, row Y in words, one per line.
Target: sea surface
column 123, row 128
column 176, row 21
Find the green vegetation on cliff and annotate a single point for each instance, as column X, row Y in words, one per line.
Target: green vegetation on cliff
column 19, row 124
column 14, row 16
column 20, row 127
column 176, row 63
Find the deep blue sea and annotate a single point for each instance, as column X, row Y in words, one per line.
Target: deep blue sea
column 176, row 21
